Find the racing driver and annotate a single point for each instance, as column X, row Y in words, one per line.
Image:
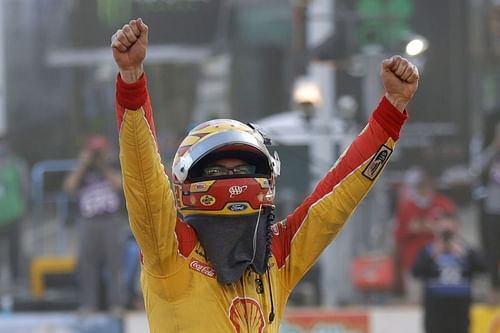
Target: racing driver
column 213, row 259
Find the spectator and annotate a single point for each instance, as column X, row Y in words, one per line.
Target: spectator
column 13, row 204
column 446, row 268
column 97, row 185
column 414, row 225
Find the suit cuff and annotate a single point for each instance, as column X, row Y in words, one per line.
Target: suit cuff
column 131, row 95
column 390, row 118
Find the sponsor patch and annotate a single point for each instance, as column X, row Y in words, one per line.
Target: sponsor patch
column 202, row 268
column 275, row 230
column 201, row 186
column 377, row 163
column 237, row 190
column 246, row 315
column 237, row 207
column 207, row 200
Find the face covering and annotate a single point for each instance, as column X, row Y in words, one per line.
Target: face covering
column 234, row 243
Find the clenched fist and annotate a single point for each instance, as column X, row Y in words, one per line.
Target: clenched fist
column 400, row 79
column 129, row 46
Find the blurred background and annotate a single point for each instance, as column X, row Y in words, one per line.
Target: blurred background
column 307, row 73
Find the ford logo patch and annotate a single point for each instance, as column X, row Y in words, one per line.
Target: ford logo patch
column 237, row 207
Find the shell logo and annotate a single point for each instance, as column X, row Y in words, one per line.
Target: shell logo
column 246, row 315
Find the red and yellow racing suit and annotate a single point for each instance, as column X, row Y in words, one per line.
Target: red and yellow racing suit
column 180, row 289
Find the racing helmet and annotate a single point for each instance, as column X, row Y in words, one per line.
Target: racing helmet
column 230, row 194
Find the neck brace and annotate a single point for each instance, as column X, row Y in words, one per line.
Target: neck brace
column 234, row 243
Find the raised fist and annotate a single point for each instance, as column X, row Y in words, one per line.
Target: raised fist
column 400, row 79
column 129, row 46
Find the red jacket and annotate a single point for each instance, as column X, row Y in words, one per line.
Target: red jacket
column 409, row 243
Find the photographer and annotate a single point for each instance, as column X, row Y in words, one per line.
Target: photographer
column 97, row 186
column 447, row 267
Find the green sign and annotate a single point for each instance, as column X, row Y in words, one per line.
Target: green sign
column 384, row 21
column 265, row 24
column 113, row 12
column 186, row 22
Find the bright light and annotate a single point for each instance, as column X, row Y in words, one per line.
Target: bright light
column 416, row 46
column 306, row 92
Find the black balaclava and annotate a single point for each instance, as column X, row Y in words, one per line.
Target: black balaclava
column 229, row 242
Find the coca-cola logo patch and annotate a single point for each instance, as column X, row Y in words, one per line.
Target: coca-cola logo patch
column 202, row 268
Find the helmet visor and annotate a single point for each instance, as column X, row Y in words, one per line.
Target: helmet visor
column 215, row 141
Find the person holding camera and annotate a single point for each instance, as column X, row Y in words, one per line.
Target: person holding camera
column 447, row 267
column 97, row 185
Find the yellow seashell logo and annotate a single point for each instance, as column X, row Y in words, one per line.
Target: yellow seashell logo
column 246, row 315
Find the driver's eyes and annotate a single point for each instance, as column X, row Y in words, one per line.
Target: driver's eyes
column 215, row 171
column 244, row 169
column 219, row 170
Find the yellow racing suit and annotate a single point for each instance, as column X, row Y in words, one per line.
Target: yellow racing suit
column 180, row 289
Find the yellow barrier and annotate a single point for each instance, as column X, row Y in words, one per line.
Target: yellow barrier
column 42, row 266
column 485, row 319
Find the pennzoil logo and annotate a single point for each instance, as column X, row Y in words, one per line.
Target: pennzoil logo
column 237, row 190
column 207, row 200
column 237, row 207
column 246, row 315
column 202, row 268
column 377, row 163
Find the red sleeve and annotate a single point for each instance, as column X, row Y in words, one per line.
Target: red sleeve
column 131, row 95
column 313, row 225
column 390, row 118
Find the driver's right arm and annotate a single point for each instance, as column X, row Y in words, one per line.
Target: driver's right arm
column 163, row 240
